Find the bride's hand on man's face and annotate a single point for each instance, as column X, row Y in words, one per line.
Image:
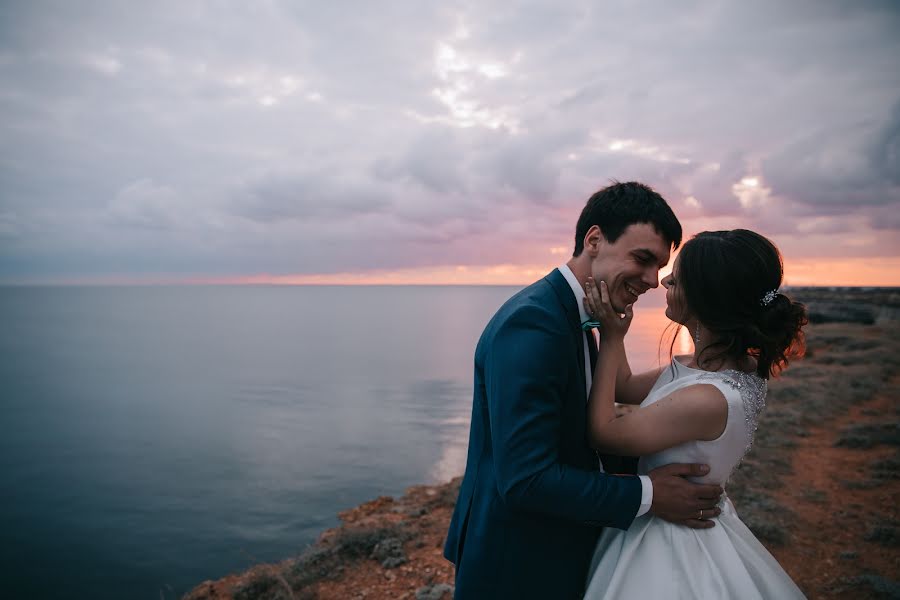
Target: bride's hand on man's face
column 597, row 303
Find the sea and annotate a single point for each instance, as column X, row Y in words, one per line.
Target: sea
column 153, row 437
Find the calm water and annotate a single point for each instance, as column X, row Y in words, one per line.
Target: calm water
column 156, row 437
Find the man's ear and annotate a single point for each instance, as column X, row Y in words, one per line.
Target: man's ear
column 593, row 240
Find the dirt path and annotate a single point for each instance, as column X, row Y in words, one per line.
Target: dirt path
column 846, row 518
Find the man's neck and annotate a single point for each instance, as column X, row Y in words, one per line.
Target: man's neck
column 581, row 268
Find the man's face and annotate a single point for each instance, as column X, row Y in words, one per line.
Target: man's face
column 631, row 265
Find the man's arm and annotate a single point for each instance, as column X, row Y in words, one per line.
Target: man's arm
column 526, row 370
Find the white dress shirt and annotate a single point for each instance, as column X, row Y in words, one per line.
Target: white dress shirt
column 646, row 484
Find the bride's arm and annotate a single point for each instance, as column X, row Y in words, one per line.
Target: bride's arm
column 697, row 412
column 630, row 388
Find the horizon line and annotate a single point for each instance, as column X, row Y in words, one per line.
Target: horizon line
column 866, row 272
column 101, row 284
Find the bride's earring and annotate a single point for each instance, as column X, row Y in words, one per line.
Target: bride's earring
column 697, row 334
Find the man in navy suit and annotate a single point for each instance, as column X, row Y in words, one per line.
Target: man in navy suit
column 533, row 498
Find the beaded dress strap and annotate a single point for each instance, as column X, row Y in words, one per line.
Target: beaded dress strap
column 753, row 390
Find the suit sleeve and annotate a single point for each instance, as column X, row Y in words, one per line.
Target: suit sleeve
column 526, row 378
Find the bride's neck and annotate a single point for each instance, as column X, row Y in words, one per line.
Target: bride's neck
column 716, row 363
column 704, row 350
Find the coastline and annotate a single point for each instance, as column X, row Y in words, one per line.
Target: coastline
column 820, row 488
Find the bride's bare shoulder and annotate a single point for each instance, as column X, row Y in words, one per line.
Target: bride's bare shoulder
column 706, row 405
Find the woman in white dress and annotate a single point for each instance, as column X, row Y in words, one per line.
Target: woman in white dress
column 700, row 409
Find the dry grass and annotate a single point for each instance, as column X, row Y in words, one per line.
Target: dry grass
column 846, row 365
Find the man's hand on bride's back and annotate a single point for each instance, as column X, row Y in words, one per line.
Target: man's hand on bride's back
column 679, row 501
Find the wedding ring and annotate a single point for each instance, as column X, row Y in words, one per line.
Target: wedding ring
column 701, row 514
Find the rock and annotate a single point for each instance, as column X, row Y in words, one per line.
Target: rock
column 394, row 561
column 389, row 547
column 440, row 591
column 841, row 313
column 390, row 552
column 262, row 586
column 410, row 511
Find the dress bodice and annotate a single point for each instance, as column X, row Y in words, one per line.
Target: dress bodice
column 745, row 394
column 655, row 558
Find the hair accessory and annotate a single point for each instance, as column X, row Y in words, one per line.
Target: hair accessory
column 767, row 299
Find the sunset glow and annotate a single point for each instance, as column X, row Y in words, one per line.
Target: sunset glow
column 877, row 271
column 506, row 274
column 874, row 272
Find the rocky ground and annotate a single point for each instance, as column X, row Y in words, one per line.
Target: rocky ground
column 820, row 487
column 386, row 548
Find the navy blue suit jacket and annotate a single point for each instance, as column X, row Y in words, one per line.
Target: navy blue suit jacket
column 532, row 500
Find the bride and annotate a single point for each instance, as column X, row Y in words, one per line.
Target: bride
column 700, row 409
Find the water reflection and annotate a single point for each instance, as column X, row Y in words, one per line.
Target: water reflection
column 454, row 445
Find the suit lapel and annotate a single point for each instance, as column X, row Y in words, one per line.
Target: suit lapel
column 567, row 300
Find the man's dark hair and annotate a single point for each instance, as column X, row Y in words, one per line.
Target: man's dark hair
column 619, row 205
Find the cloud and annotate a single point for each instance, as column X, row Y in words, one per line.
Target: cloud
column 841, row 168
column 306, row 195
column 275, row 136
column 436, row 161
column 145, row 204
column 885, row 149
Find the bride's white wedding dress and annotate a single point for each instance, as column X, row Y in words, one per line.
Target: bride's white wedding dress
column 656, row 559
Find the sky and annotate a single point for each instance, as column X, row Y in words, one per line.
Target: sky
column 436, row 142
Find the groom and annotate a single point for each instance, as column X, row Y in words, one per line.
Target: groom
column 533, row 498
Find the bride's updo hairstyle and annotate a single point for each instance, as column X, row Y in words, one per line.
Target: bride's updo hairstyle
column 730, row 281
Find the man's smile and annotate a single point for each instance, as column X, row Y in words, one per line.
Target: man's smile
column 633, row 291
